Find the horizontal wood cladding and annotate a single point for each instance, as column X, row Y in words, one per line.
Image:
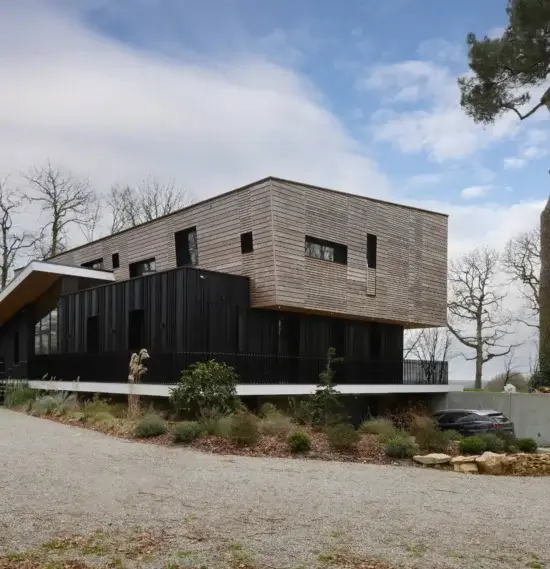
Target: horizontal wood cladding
column 409, row 283
column 219, row 224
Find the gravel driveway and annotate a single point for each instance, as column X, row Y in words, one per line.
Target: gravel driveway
column 59, row 480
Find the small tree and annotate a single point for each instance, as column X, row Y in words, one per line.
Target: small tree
column 205, row 386
column 477, row 317
column 326, row 399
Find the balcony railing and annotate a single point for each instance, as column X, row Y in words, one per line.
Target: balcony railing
column 252, row 369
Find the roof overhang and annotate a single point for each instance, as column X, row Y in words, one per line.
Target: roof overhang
column 35, row 279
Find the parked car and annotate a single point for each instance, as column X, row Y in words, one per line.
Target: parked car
column 474, row 421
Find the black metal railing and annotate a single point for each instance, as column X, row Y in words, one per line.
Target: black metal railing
column 252, row 368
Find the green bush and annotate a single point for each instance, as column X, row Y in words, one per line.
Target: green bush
column 96, row 405
column 298, row 441
column 453, row 435
column 343, row 438
column 244, row 429
column 19, row 394
column 381, row 426
column 223, row 427
column 101, row 419
column 527, row 445
column 205, row 386
column 428, row 435
column 276, row 425
column 400, row 445
column 302, row 410
column 268, row 409
column 44, row 405
column 150, row 425
column 472, row 445
column 494, row 443
column 186, row 431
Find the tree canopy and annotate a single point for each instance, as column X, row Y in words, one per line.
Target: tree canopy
column 507, row 71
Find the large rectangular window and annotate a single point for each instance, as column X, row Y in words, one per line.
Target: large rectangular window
column 140, row 268
column 45, row 334
column 326, row 250
column 187, row 250
column 96, row 264
column 371, row 250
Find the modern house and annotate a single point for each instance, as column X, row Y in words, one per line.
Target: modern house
column 266, row 278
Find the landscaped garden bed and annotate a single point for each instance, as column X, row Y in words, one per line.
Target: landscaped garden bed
column 205, row 414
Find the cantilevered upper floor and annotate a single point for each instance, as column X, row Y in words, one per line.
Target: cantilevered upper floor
column 305, row 248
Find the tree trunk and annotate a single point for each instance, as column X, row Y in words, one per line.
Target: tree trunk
column 544, row 291
column 479, row 368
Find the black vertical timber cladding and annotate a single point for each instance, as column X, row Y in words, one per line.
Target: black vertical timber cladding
column 185, row 310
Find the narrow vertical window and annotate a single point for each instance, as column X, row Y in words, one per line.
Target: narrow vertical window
column 371, row 250
column 16, row 348
column 136, row 329
column 187, row 251
column 92, row 334
column 116, row 260
column 247, row 243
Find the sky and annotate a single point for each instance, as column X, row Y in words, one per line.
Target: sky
column 214, row 94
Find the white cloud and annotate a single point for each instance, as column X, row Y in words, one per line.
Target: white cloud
column 423, row 180
column 533, row 145
column 439, row 127
column 475, row 192
column 441, row 50
column 513, row 162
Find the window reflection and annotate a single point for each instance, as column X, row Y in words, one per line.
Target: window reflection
column 45, row 334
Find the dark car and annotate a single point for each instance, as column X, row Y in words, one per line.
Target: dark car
column 474, row 421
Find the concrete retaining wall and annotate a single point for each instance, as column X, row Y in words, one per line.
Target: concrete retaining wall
column 530, row 412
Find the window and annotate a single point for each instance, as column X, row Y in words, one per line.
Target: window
column 136, row 328
column 92, row 334
column 140, row 268
column 16, row 348
column 326, row 250
column 247, row 243
column 371, row 250
column 187, row 251
column 96, row 264
column 116, row 260
column 45, row 334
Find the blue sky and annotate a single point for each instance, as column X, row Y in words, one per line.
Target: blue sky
column 360, row 96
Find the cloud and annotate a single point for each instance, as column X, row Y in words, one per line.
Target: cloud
column 514, row 162
column 116, row 113
column 438, row 126
column 533, row 145
column 442, row 50
column 475, row 192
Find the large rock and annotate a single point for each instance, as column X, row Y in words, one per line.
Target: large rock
column 433, row 458
column 493, row 463
column 465, row 464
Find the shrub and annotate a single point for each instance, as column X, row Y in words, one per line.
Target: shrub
column 302, row 410
column 244, row 429
column 453, row 435
column 223, row 426
column 205, row 385
column 298, row 441
column 472, row 445
column 101, row 419
column 494, row 443
column 96, row 405
column 268, row 409
column 428, row 435
column 343, row 437
column 400, row 445
column 527, row 445
column 276, row 425
column 18, row 395
column 382, row 427
column 326, row 401
column 150, row 425
column 44, row 405
column 66, row 403
column 186, row 431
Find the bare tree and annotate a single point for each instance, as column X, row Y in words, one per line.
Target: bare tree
column 65, row 200
column 153, row 198
column 510, row 375
column 13, row 239
column 430, row 346
column 521, row 261
column 477, row 318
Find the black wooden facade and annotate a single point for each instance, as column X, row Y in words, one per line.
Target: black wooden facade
column 186, row 315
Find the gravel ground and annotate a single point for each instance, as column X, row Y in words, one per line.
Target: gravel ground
column 58, row 480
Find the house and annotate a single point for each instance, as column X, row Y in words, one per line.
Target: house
column 266, row 278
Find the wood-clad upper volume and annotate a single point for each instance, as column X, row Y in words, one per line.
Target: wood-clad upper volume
column 304, row 248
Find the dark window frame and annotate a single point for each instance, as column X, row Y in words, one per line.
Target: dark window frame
column 187, row 247
column 324, row 250
column 372, row 250
column 138, row 268
column 247, row 243
column 91, row 264
column 115, row 260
